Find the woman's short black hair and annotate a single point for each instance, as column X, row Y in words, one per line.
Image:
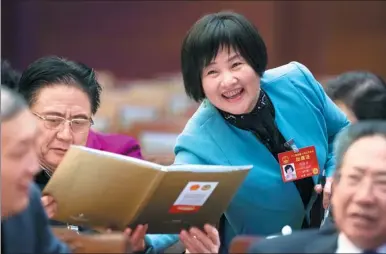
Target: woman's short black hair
column 211, row 33
column 51, row 70
column 364, row 93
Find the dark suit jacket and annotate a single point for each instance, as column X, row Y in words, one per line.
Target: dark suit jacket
column 305, row 241
column 29, row 231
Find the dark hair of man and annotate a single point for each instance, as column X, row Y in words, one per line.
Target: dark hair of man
column 364, row 93
column 9, row 77
column 212, row 33
column 11, row 104
column 353, row 133
column 52, row 70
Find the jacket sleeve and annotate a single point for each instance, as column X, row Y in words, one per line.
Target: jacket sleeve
column 47, row 242
column 195, row 146
column 158, row 243
column 335, row 119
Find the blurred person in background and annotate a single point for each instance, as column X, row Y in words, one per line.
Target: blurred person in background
column 360, row 94
column 250, row 115
column 359, row 199
column 106, row 79
column 9, row 76
column 24, row 223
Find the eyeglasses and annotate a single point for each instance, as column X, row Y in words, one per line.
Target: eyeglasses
column 78, row 125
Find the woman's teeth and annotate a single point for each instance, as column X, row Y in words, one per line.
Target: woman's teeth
column 233, row 93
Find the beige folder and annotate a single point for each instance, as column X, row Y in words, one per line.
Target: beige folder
column 100, row 189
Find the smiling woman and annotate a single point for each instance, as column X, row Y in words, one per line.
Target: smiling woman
column 250, row 115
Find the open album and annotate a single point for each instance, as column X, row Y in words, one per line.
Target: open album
column 99, row 189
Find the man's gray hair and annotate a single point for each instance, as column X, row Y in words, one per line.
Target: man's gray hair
column 353, row 133
column 11, row 104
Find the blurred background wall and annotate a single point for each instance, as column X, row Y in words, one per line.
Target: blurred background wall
column 140, row 39
column 135, row 47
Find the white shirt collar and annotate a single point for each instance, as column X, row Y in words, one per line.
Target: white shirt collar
column 346, row 246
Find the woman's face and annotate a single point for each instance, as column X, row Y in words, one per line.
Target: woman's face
column 54, row 103
column 230, row 83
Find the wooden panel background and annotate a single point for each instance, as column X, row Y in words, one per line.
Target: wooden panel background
column 137, row 39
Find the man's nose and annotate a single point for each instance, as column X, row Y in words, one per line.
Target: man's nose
column 65, row 132
column 365, row 193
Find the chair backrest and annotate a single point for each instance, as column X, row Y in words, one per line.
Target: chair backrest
column 241, row 244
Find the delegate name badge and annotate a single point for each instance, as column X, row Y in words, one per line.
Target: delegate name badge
column 298, row 165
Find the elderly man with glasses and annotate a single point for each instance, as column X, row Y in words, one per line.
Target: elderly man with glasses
column 63, row 95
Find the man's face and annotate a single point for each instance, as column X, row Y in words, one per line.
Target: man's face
column 55, row 102
column 359, row 198
column 19, row 162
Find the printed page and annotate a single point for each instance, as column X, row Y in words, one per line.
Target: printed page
column 186, row 198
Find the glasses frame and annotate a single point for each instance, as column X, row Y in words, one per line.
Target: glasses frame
column 70, row 121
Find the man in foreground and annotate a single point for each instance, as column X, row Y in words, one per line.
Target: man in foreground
column 24, row 224
column 359, row 200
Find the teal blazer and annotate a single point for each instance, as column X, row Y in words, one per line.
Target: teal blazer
column 264, row 204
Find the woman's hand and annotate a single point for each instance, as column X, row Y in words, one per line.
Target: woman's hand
column 197, row 241
column 326, row 191
column 49, row 205
column 136, row 238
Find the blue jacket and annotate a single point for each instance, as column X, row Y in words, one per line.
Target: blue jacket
column 264, row 203
column 29, row 231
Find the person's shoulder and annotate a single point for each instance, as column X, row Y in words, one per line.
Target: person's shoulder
column 111, row 142
column 35, row 207
column 291, row 71
column 35, row 195
column 112, row 137
column 196, row 144
column 200, row 118
column 283, row 244
column 26, row 216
